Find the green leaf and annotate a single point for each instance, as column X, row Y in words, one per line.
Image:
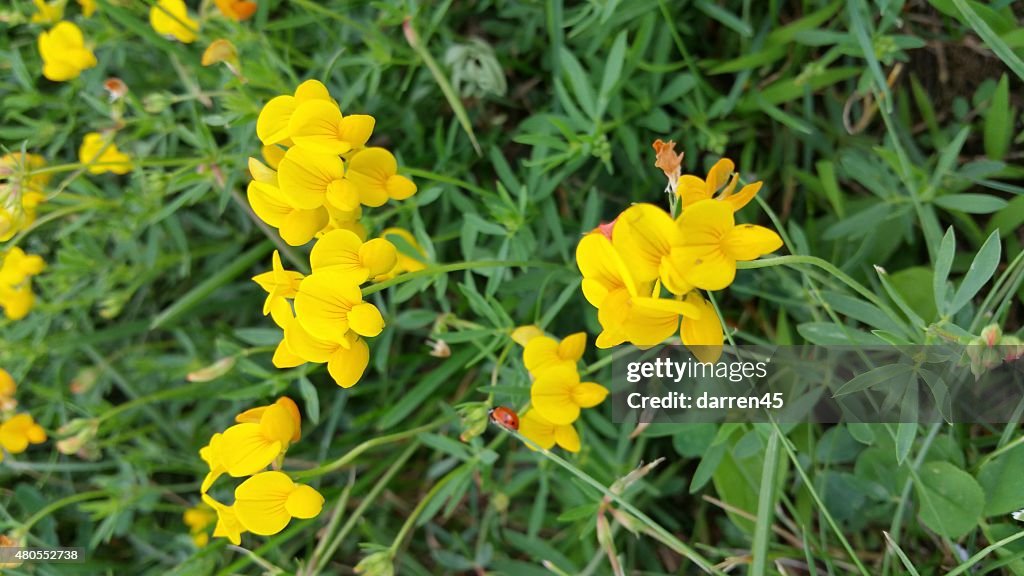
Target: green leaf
column 725, row 17
column 943, row 263
column 950, row 501
column 900, row 554
column 982, row 268
column 580, row 83
column 999, row 121
column 1000, row 478
column 310, row 399
column 874, row 377
column 612, row 73
column 971, row 203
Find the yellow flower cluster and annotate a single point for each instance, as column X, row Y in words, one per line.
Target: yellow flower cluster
column 320, row 175
column 199, row 518
column 557, row 394
column 630, row 265
column 267, row 501
column 21, row 191
column 17, row 431
column 16, row 272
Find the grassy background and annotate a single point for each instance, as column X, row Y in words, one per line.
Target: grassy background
column 875, row 126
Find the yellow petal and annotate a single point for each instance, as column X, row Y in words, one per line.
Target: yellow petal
column 400, row 187
column 541, row 353
column 523, row 334
column 537, row 429
column 343, row 195
column 572, row 346
column 304, row 176
column 170, row 18
column 338, row 251
column 304, row 502
column 365, row 320
column 274, row 118
column 268, row 203
column 749, row 242
column 602, row 268
column 370, row 170
column 260, row 172
column 718, row 176
column 306, row 346
column 300, row 226
column 347, row 365
column 356, row 129
column 691, row 189
column 245, row 450
column 285, row 358
column 260, row 503
column 378, row 256
column 744, row 196
column 568, row 438
column 316, row 126
column 312, row 90
column 643, row 235
column 703, row 336
column 278, row 424
column 589, row 394
column 323, row 304
column 552, row 395
column 705, row 268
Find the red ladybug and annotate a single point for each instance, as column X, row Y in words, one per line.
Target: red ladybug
column 504, row 417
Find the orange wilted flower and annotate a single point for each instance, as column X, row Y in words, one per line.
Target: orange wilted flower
column 237, row 10
column 115, row 87
column 667, row 159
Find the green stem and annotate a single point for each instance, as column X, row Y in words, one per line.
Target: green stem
column 656, row 530
column 355, row 452
column 54, row 506
column 455, row 267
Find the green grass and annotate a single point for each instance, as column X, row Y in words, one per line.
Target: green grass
column 904, row 228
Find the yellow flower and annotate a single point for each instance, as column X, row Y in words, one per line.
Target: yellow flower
column 272, row 126
column 170, row 18
column 523, row 334
column 16, row 271
column 228, row 525
column 703, row 335
column 343, row 252
column 64, row 52
column 20, row 431
column 625, row 314
column 346, row 361
column 713, row 243
column 309, row 179
column 296, row 226
column 88, row 7
column 273, row 155
column 318, row 126
column 48, row 13
column 542, row 352
column 102, row 155
column 249, row 447
column 405, row 262
column 374, row 173
column 266, row 503
column 558, row 395
column 279, row 283
column 7, row 384
column 236, row 10
column 543, row 433
column 329, row 304
column 198, row 518
column 693, row 189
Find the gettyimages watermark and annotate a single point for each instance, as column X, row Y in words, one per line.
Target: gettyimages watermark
column 951, row 383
